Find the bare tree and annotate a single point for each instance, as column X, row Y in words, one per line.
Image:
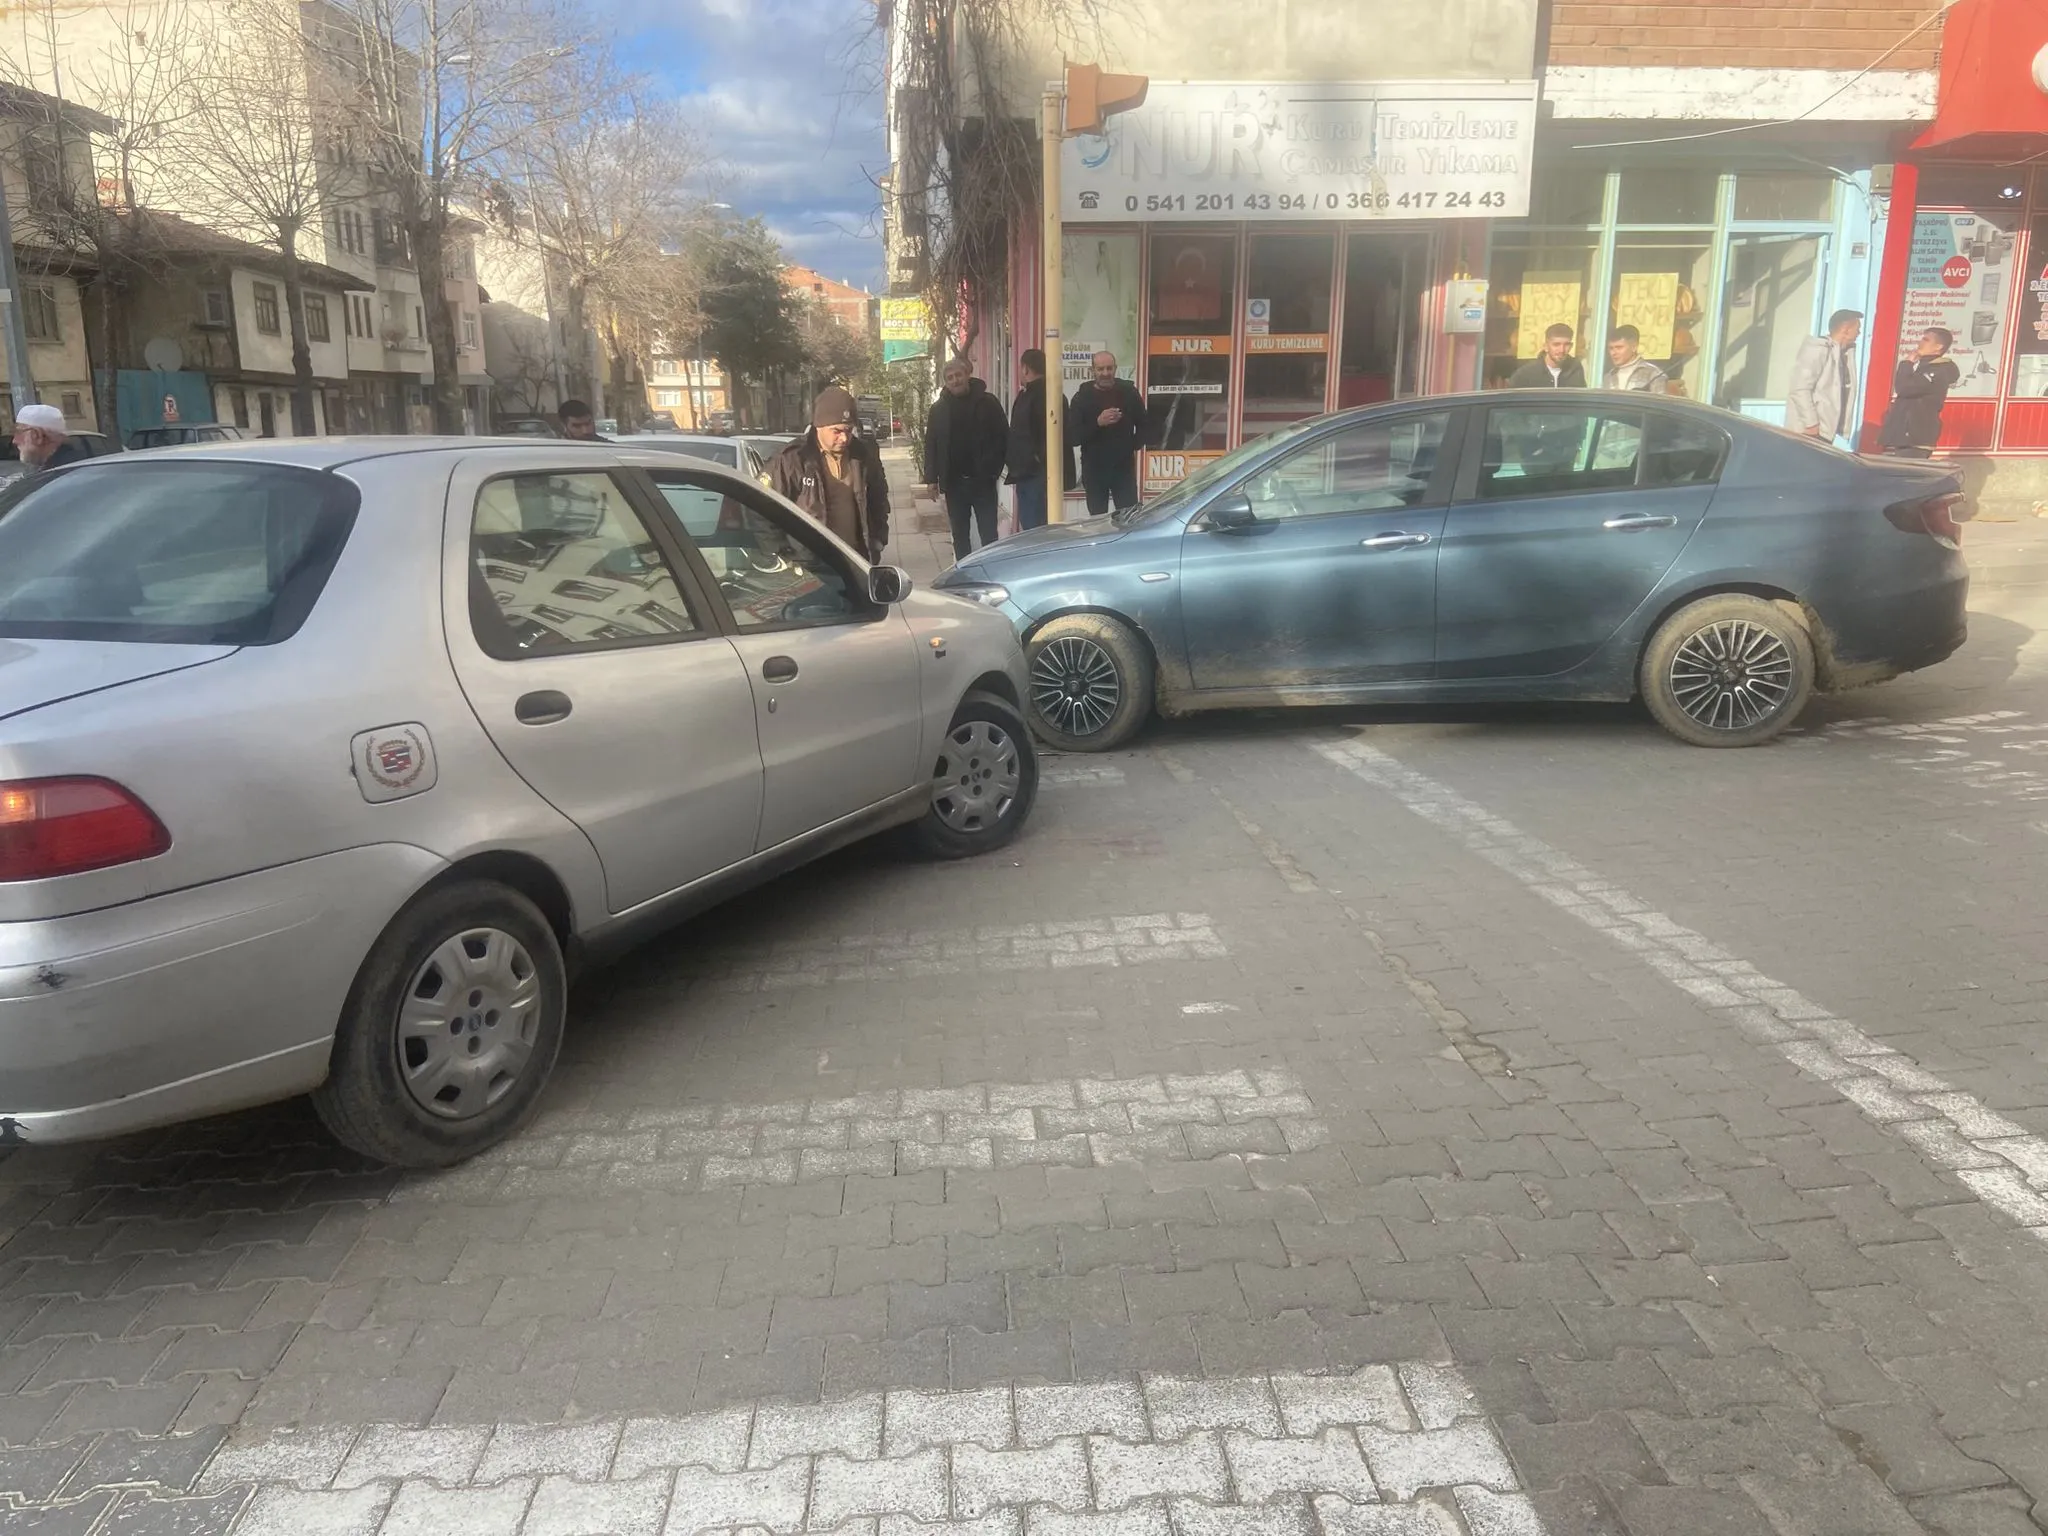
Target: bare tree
column 250, row 158
column 139, row 81
column 437, row 94
column 608, row 193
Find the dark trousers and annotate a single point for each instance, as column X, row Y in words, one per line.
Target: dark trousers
column 1031, row 503
column 1109, row 483
column 971, row 504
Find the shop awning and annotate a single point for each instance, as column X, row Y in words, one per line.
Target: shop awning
column 1989, row 104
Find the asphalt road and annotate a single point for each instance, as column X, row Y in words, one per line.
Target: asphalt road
column 1498, row 1122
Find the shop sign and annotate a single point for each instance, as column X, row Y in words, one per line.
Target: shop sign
column 1166, row 468
column 906, row 320
column 1215, row 388
column 1224, row 152
column 1955, row 278
column 1258, row 316
column 1546, row 301
column 1288, row 342
column 1189, row 346
column 1649, row 302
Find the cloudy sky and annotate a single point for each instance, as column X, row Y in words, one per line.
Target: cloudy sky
column 788, row 98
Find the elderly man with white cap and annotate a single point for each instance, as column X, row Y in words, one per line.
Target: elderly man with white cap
column 43, row 440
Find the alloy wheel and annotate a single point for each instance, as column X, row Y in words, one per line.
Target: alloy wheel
column 1731, row 675
column 977, row 778
column 467, row 1023
column 1074, row 685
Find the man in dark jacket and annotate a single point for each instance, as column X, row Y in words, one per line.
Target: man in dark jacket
column 836, row 475
column 966, row 440
column 1556, row 368
column 1110, row 425
column 1920, row 389
column 43, row 439
column 1027, row 443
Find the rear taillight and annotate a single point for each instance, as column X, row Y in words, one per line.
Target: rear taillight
column 1931, row 515
column 51, row 827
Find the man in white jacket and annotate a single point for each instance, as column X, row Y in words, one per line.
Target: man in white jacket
column 1824, row 380
column 1627, row 368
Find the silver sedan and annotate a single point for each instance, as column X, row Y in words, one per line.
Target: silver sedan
column 324, row 763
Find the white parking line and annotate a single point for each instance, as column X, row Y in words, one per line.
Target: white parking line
column 1056, row 774
column 1402, row 1449
column 2004, row 1165
column 1986, row 753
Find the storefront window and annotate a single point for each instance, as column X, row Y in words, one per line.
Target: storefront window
column 1286, row 329
column 1771, row 197
column 1537, row 281
column 1378, row 351
column 1567, row 194
column 1960, row 277
column 1668, row 195
column 1770, row 304
column 1188, row 370
column 1099, row 303
column 1659, row 280
column 2030, row 345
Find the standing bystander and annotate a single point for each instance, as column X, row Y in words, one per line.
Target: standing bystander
column 835, row 473
column 966, row 440
column 1920, row 387
column 1110, row 426
column 1027, row 443
column 1556, row 368
column 1824, row 379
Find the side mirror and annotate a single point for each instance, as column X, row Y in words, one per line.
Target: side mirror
column 1230, row 513
column 888, row 584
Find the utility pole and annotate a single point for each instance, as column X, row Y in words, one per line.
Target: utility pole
column 20, row 381
column 1074, row 104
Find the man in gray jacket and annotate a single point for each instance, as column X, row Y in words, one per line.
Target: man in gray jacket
column 1824, row 380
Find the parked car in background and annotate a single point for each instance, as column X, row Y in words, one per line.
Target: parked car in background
column 1512, row 545
column 526, row 426
column 324, row 762
column 185, row 432
column 765, row 445
column 732, row 452
column 660, row 421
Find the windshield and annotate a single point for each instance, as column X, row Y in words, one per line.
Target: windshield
column 1215, row 472
column 192, row 553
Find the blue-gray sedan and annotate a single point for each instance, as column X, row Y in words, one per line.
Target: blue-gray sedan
column 1518, row 545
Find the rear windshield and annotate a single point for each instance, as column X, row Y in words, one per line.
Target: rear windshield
column 192, row 553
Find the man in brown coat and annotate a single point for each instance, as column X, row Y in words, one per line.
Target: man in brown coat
column 836, row 475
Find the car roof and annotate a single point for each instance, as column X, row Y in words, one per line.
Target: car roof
column 332, row 453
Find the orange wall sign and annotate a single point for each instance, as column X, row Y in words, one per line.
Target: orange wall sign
column 1189, row 346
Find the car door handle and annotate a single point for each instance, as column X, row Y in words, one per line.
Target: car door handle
column 542, row 708
column 1394, row 541
column 779, row 669
column 1632, row 521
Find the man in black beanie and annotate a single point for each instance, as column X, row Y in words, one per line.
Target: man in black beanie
column 836, row 475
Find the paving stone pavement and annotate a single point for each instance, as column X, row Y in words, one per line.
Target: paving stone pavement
column 1523, row 1125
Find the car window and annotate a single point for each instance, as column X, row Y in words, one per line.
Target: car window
column 771, row 569
column 1376, row 466
column 1682, row 452
column 563, row 563
column 1550, row 450
column 201, row 554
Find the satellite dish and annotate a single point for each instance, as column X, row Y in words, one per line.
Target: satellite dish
column 164, row 354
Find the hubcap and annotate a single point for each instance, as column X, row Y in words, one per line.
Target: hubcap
column 977, row 777
column 467, row 1024
column 1074, row 686
column 1732, row 675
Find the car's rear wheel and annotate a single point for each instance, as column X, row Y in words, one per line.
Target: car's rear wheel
column 983, row 783
column 1091, row 683
column 1728, row 671
column 450, row 1031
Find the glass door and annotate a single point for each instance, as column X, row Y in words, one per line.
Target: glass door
column 1379, row 351
column 1770, row 303
column 1286, row 330
column 1193, row 291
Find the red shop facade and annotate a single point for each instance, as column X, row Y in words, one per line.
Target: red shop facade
column 1967, row 246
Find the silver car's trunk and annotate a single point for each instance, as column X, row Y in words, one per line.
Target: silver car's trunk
column 34, row 673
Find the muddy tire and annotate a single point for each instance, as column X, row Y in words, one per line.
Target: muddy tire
column 1091, row 683
column 450, row 1031
column 1728, row 671
column 984, row 782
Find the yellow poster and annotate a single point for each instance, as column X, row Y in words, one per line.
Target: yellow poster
column 1547, row 299
column 1649, row 302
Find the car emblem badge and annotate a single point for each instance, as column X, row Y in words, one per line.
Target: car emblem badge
column 393, row 762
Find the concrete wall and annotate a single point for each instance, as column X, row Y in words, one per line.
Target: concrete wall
column 1292, row 40
column 1793, row 34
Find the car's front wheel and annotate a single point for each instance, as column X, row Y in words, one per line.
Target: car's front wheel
column 1091, row 682
column 450, row 1030
column 1728, row 671
column 983, row 782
